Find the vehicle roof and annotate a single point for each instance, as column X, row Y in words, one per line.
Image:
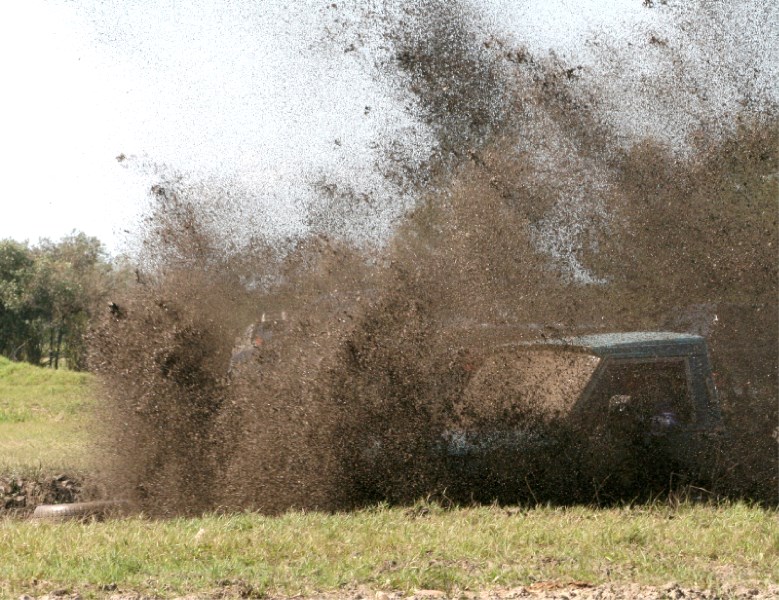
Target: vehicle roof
column 643, row 342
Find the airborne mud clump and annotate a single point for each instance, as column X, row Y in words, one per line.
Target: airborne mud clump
column 533, row 220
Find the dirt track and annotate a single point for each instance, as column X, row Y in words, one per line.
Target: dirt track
column 538, row 591
column 552, row 590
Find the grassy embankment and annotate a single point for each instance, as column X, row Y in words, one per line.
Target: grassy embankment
column 44, row 417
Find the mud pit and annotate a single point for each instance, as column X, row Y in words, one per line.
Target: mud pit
column 567, row 231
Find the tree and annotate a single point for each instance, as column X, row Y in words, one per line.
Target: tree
column 16, row 313
column 76, row 275
column 48, row 296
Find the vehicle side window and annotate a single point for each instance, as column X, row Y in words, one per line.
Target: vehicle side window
column 656, row 391
column 519, row 388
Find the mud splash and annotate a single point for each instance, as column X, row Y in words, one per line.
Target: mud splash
column 565, row 231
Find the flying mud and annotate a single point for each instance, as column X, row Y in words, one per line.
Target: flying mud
column 533, row 219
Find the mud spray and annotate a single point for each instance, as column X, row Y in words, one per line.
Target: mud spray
column 533, row 218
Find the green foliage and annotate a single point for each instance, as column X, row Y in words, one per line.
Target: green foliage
column 48, row 295
column 17, row 307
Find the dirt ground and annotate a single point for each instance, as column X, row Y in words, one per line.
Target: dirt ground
column 538, row 591
column 20, row 495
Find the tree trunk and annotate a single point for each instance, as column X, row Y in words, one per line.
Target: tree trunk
column 51, row 347
column 59, row 345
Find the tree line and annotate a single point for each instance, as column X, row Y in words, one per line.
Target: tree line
column 49, row 293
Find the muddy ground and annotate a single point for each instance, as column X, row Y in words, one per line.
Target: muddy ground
column 538, row 591
column 19, row 495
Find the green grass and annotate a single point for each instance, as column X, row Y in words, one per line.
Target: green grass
column 476, row 548
column 43, row 414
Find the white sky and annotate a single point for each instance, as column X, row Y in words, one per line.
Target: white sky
column 59, row 128
column 237, row 90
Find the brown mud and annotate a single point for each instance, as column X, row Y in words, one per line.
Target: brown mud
column 19, row 495
column 566, row 231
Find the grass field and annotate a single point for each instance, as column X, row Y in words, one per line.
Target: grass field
column 425, row 547
column 44, row 424
column 44, row 418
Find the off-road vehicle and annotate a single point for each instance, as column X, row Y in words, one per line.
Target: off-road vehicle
column 622, row 411
column 619, row 409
